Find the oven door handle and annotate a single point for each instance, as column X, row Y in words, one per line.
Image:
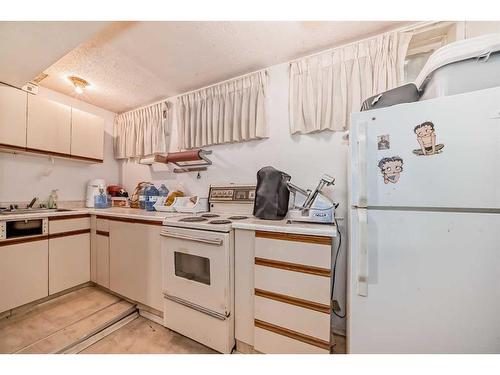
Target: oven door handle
column 210, row 241
column 196, row 307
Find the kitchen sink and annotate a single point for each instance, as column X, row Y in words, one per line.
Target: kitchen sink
column 21, row 211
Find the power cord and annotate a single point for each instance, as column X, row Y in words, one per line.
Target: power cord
column 335, row 270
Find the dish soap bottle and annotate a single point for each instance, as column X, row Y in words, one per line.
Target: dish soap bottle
column 53, row 199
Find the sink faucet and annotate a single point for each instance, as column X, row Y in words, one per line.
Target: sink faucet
column 30, row 204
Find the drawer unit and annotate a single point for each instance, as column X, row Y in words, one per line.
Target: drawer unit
column 70, row 223
column 292, row 281
column 312, row 251
column 295, row 284
column 289, row 314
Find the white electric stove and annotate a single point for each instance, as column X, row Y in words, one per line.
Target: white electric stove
column 198, row 267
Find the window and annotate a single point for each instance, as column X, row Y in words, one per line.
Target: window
column 423, row 43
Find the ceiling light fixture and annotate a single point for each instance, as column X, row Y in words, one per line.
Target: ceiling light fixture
column 79, row 83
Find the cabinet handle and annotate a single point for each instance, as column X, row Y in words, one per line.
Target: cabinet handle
column 215, row 241
column 196, row 307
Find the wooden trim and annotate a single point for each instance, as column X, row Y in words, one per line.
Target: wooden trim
column 102, row 233
column 293, row 301
column 69, row 233
column 320, row 240
column 292, row 334
column 318, row 271
column 15, row 241
column 48, row 153
column 132, row 221
column 68, row 217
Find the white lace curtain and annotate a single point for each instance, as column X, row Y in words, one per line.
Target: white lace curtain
column 142, row 132
column 325, row 89
column 233, row 111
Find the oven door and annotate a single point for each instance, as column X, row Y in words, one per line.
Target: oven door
column 197, row 269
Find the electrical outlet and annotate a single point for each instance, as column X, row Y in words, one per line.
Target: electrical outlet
column 335, row 305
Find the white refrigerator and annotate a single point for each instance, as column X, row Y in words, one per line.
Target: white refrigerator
column 424, row 259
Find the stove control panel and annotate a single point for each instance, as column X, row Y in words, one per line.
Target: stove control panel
column 240, row 194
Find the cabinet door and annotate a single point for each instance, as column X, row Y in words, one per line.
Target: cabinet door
column 12, row 116
column 102, row 260
column 49, row 125
column 135, row 262
column 69, row 261
column 87, row 135
column 23, row 273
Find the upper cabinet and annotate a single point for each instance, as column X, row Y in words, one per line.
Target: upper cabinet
column 49, row 125
column 12, row 116
column 87, row 135
column 34, row 124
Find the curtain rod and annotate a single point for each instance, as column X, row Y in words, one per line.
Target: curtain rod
column 411, row 27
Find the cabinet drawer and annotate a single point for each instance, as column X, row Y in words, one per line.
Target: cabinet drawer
column 266, row 341
column 58, row 225
column 295, row 284
column 299, row 319
column 307, row 250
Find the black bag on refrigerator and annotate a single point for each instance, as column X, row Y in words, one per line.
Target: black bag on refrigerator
column 271, row 194
column 403, row 94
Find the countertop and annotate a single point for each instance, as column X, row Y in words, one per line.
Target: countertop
column 134, row 213
column 325, row 230
column 113, row 211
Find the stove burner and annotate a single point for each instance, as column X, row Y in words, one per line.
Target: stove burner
column 210, row 215
column 237, row 217
column 192, row 219
column 221, row 221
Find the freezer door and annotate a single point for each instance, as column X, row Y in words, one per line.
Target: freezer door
column 461, row 165
column 432, row 282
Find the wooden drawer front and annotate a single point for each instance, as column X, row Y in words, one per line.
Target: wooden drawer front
column 299, row 319
column 68, row 225
column 295, row 284
column 266, row 341
column 309, row 254
column 102, row 225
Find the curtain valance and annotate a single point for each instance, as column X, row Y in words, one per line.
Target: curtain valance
column 326, row 88
column 233, row 111
column 142, row 132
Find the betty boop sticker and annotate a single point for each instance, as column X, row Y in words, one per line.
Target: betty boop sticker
column 426, row 137
column 391, row 168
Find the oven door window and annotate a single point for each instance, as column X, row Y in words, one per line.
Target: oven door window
column 192, row 267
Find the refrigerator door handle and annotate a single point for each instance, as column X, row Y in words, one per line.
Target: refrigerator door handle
column 362, row 199
column 362, row 288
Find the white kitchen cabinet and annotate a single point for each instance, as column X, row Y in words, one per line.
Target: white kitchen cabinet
column 23, row 273
column 49, row 125
column 102, row 259
column 87, row 135
column 69, row 261
column 69, row 251
column 135, row 261
column 12, row 116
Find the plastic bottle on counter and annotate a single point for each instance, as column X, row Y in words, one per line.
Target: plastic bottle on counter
column 101, row 200
column 163, row 190
column 53, row 199
column 142, row 198
column 151, row 194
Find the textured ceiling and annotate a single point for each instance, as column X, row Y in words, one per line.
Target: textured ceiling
column 134, row 63
column 27, row 48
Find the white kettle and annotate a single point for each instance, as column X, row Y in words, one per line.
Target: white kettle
column 93, row 188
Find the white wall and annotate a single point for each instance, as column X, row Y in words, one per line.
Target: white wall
column 25, row 176
column 304, row 157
